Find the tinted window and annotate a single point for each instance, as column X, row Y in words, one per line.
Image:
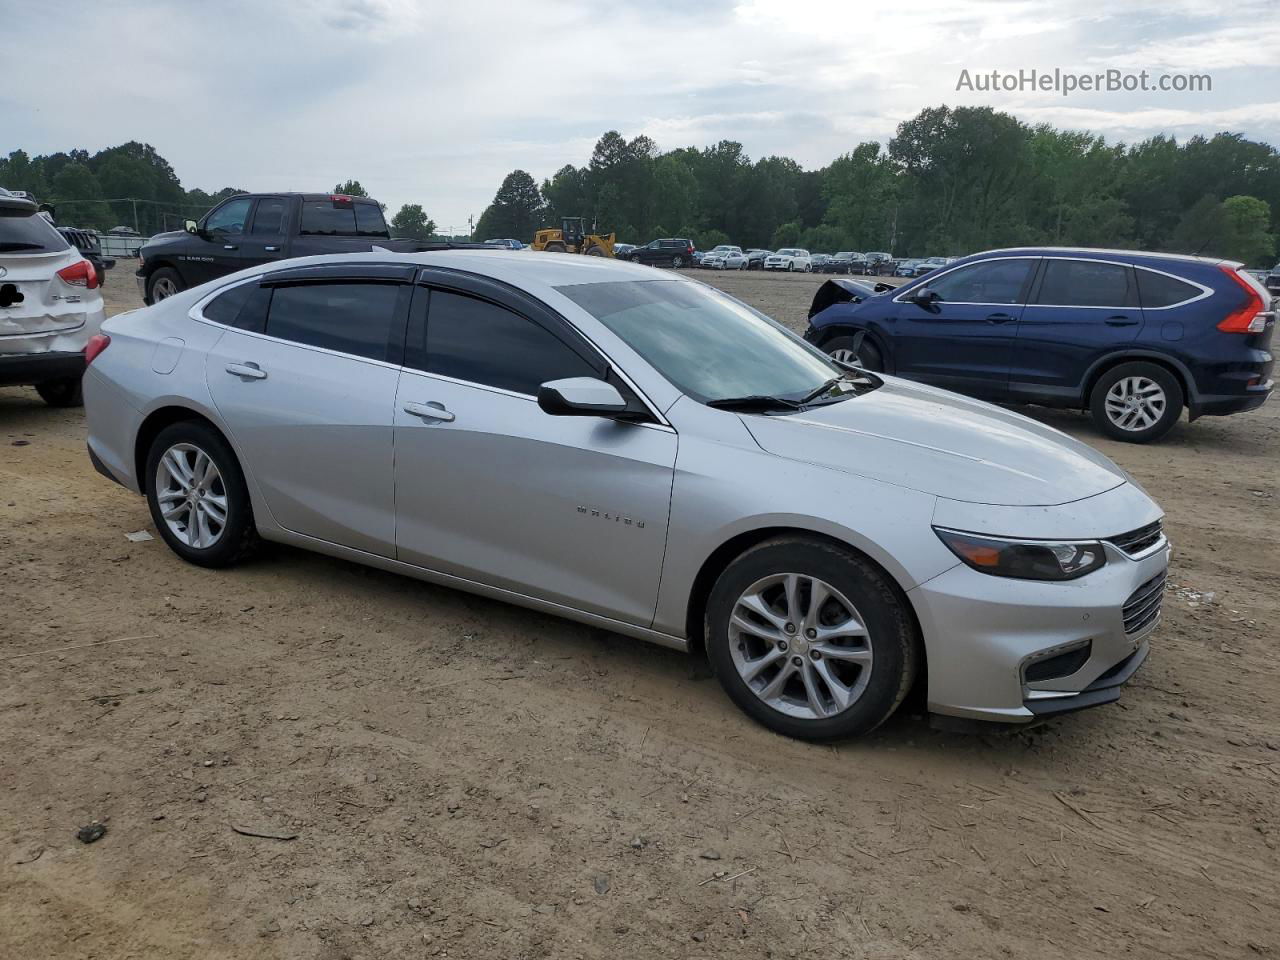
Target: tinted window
column 230, row 217
column 481, row 342
column 322, row 217
column 992, row 281
column 348, row 317
column 30, row 234
column 269, row 218
column 707, row 344
column 369, row 222
column 1085, row 283
column 1159, row 290
column 225, row 307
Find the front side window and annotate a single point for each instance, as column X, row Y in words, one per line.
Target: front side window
column 481, row 342
column 351, row 317
column 230, row 217
column 992, row 281
column 1086, row 283
column 706, row 344
column 1162, row 290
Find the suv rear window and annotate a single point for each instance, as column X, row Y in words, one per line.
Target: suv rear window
column 29, row 234
column 1161, row 290
column 339, row 218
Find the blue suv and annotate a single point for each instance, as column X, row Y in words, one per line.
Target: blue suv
column 1133, row 337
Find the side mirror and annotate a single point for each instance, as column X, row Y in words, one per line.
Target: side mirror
column 580, row 397
column 924, row 296
column 192, row 227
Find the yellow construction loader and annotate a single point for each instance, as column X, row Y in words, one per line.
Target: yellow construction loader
column 572, row 238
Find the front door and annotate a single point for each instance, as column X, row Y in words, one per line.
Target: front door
column 490, row 488
column 216, row 252
column 307, row 394
column 963, row 340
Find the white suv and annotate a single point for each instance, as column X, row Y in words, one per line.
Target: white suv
column 789, row 258
column 49, row 305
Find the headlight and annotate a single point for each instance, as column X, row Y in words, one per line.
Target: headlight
column 1025, row 559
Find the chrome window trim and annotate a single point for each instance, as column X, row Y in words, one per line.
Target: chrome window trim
column 974, row 263
column 197, row 313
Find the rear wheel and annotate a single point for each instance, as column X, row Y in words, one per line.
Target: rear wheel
column 857, row 350
column 61, row 393
column 595, row 251
column 197, row 495
column 677, row 262
column 810, row 639
column 1136, row 402
column 163, row 284
column 554, row 248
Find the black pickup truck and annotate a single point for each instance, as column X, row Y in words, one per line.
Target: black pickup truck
column 254, row 228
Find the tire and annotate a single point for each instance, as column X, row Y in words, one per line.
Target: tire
column 856, row 349
column 62, row 393
column 791, row 265
column 554, row 248
column 873, row 670
column 595, row 251
column 1136, row 402
column 237, row 537
column 164, row 283
column 635, row 258
column 677, row 262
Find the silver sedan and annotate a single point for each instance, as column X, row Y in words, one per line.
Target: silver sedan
column 640, row 452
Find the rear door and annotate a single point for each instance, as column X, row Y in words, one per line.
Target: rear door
column 305, row 379
column 964, row 340
column 1080, row 310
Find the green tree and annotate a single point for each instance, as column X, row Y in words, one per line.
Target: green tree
column 1202, row 229
column 516, row 210
column 351, row 188
column 787, row 235
column 412, row 221
column 1248, row 237
column 77, row 197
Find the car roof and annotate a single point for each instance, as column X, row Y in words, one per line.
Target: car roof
column 1101, row 252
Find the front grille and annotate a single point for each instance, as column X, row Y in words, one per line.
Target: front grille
column 1143, row 606
column 1136, row 541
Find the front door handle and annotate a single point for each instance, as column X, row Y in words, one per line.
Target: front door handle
column 1120, row 321
column 1001, row 318
column 272, row 249
column 229, row 246
column 247, row 371
column 428, row 411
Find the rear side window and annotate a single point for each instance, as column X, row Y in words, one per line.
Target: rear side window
column 268, row 220
column 225, row 307
column 29, row 234
column 369, row 220
column 1086, row 283
column 481, row 342
column 992, row 281
column 1162, row 290
column 355, row 318
column 328, row 218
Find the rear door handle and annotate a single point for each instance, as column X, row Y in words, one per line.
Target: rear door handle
column 428, row 411
column 247, row 371
column 1001, row 318
column 229, row 246
column 1120, row 321
column 272, row 249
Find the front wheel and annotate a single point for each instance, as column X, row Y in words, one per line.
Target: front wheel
column 1136, row 402
column 197, row 495
column 635, row 258
column 61, row 393
column 811, row 639
column 163, row 284
column 857, row 350
column 790, row 267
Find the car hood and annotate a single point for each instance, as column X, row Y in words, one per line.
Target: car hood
column 168, row 237
column 940, row 443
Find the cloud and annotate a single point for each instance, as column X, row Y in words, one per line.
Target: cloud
column 435, row 103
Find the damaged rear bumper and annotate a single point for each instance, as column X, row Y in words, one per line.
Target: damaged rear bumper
column 24, row 369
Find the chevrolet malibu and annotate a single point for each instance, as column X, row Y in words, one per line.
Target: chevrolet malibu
column 642, row 453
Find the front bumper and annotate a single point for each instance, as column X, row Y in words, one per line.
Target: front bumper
column 983, row 633
column 141, row 279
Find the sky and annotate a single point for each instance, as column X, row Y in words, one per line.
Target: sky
column 435, row 102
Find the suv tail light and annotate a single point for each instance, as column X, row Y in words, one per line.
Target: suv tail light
column 97, row 343
column 1252, row 317
column 80, row 274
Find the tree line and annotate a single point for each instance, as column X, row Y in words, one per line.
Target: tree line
column 951, row 181
column 132, row 185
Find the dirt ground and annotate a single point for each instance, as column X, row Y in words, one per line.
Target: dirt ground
column 462, row 778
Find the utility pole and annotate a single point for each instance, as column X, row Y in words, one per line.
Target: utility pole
column 471, row 225
column 135, row 216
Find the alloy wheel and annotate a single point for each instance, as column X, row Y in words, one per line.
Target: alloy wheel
column 800, row 646
column 192, row 495
column 1135, row 403
column 163, row 289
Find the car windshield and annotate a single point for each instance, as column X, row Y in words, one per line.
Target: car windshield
column 708, row 345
